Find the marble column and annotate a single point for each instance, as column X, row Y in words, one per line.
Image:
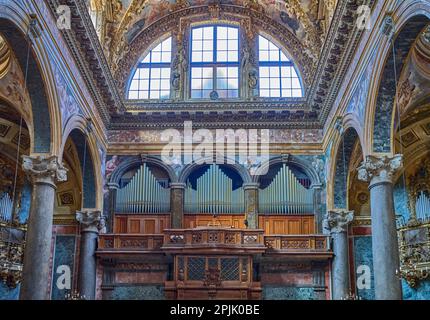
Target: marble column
column 379, row 171
column 336, row 222
column 43, row 172
column 91, row 222
column 251, row 204
column 177, row 193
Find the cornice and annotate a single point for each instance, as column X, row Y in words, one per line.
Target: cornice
column 89, row 57
column 339, row 49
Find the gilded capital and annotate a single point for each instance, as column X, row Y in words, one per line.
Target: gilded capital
column 337, row 220
column 379, row 169
column 91, row 220
column 44, row 169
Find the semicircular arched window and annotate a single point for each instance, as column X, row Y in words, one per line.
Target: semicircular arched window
column 151, row 79
column 278, row 76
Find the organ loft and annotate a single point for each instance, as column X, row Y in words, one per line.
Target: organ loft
column 252, row 150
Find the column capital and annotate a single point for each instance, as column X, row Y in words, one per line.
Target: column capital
column 91, row 220
column 379, row 169
column 251, row 185
column 337, row 220
column 177, row 185
column 44, row 169
column 112, row 185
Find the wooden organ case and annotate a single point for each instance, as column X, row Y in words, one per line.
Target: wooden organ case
column 214, row 255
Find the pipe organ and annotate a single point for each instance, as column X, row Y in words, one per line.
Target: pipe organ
column 214, row 194
column 285, row 195
column 143, row 194
column 6, row 207
column 422, row 206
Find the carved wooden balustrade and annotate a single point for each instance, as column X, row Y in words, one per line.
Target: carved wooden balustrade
column 298, row 244
column 248, row 240
column 130, row 242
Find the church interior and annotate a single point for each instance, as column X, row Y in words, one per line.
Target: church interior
column 207, row 149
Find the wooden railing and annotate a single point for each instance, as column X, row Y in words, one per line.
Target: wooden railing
column 297, row 243
column 213, row 236
column 246, row 239
column 130, row 242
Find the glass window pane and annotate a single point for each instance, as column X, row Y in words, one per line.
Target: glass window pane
column 264, row 93
column 157, row 48
column 154, row 95
column 133, row 95
column 208, row 33
column 134, row 85
column 197, row 33
column 264, row 55
column 196, row 56
column 197, row 45
column 196, row 72
column 221, row 84
column 233, row 56
column 147, row 59
column 275, row 92
column 144, row 73
column 155, row 85
column 232, row 44
column 293, row 72
column 232, row 72
column 143, row 95
column 222, row 93
column 164, row 94
column 222, row 45
column 274, row 55
column 196, row 94
column 297, row 93
column 295, row 83
column 284, row 57
column 232, row 33
column 274, row 83
column 274, row 71
column 196, row 83
column 165, row 84
column 144, row 85
column 222, row 33
column 206, row 94
column 264, row 72
column 222, row 56
column 165, row 73
column 208, row 84
column 221, row 72
column 286, row 83
column 207, row 73
column 233, row 83
column 166, row 57
column 233, row 93
column 263, row 43
column 156, row 57
column 264, row 83
column 207, row 56
column 156, row 73
column 286, row 93
column 286, row 71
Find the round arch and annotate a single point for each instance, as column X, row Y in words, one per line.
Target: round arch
column 241, row 170
column 40, row 85
column 133, row 162
column 288, row 159
column 77, row 130
column 409, row 19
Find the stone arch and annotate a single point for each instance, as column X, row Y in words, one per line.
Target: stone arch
column 342, row 160
column 79, row 132
column 241, row 170
column 133, row 162
column 381, row 114
column 14, row 26
column 288, row 159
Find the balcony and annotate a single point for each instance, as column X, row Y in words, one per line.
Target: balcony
column 298, row 245
column 213, row 239
column 130, row 243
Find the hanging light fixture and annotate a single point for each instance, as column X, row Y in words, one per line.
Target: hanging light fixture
column 11, row 255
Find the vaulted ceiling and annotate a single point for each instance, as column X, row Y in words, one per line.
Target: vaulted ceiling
column 320, row 34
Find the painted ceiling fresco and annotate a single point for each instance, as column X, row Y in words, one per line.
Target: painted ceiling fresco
column 308, row 20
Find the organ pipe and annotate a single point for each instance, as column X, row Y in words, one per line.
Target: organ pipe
column 143, row 194
column 285, row 195
column 6, row 207
column 422, row 206
column 214, row 194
